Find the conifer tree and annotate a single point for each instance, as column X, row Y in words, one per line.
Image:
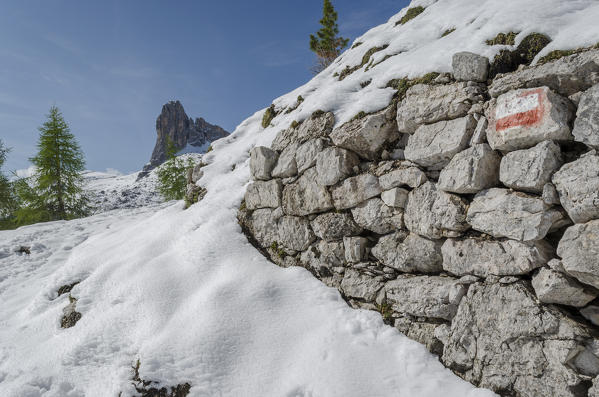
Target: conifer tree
column 55, row 191
column 326, row 44
column 7, row 198
column 172, row 174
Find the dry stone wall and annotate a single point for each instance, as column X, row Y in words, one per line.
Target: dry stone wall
column 467, row 214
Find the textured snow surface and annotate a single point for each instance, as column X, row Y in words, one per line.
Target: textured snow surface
column 184, row 292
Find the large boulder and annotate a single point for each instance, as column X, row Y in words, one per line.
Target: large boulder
column 319, row 125
column 335, row 226
column 286, row 165
column 360, row 286
column 262, row 225
column 515, row 215
column 578, row 186
column 262, row 162
column 295, row 233
column 567, row 75
column 366, row 136
column 407, row 174
column 468, row 66
column 503, row 339
column 530, row 169
column 425, row 296
column 426, row 104
column 482, row 257
column 434, row 145
column 305, row 196
column 334, row 164
column 586, row 125
column 521, row 119
column 579, row 250
column 355, row 190
column 555, row 287
column 263, row 194
column 305, row 156
column 409, row 253
column 471, row 170
column 378, row 217
column 435, row 214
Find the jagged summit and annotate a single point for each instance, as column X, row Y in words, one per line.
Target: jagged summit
column 185, row 132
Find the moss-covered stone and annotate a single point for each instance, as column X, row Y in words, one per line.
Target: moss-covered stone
column 269, row 115
column 503, row 39
column 448, row 32
column 557, row 54
column 365, row 59
column 360, row 115
column 508, row 61
column 402, row 85
column 410, row 14
column 357, row 44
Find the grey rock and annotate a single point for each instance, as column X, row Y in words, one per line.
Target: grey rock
column 334, row 226
column 175, row 126
column 295, row 233
column 586, row 125
column 286, row 165
column 530, row 169
column 578, row 186
column 421, row 331
column 360, row 286
column 591, row 313
column 368, row 135
column 494, row 257
column 434, row 145
column 263, row 194
column 409, row 253
column 471, row 170
column 435, row 214
column 376, row 216
column 305, row 196
column 305, row 156
column 70, row 315
column 566, row 75
column 550, row 195
column 480, row 132
column 197, row 172
column 425, row 296
column 515, row 215
column 579, row 250
column 262, row 162
column 426, row 104
column 319, row 125
column 356, row 249
column 323, row 256
column 503, row 339
column 408, row 174
column 355, row 190
column 262, row 225
column 470, row 67
column 594, row 390
column 334, row 164
column 523, row 118
column 555, row 287
column 441, row 332
column 396, row 197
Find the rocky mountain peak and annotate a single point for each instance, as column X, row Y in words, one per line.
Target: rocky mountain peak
column 174, row 124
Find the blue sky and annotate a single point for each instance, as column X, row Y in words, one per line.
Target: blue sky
column 110, row 65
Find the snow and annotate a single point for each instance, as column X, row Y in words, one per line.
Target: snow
column 183, row 290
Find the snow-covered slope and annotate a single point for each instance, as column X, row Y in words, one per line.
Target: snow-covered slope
column 112, row 190
column 186, row 294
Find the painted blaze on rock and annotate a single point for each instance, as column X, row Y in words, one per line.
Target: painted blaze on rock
column 523, row 118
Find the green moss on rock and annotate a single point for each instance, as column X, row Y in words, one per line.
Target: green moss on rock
column 448, row 32
column 402, row 85
column 557, row 54
column 410, row 14
column 365, row 59
column 269, row 115
column 503, row 39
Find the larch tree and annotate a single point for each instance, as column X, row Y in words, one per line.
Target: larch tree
column 326, row 44
column 55, row 191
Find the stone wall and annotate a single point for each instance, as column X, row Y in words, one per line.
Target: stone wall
column 467, row 214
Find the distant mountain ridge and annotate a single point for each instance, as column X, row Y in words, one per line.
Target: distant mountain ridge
column 184, row 131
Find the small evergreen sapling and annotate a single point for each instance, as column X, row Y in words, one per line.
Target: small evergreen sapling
column 326, row 44
column 172, row 175
column 7, row 197
column 55, row 191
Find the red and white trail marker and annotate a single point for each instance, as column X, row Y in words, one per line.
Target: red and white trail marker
column 523, row 110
